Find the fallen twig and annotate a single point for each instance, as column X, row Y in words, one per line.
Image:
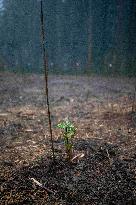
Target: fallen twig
column 78, row 157
column 41, row 185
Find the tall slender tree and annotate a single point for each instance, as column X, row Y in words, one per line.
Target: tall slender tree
column 45, row 63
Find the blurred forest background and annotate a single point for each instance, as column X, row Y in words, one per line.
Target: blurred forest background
column 82, row 36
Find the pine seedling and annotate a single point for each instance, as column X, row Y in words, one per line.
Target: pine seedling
column 69, row 132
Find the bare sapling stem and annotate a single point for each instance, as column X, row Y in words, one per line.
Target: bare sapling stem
column 45, row 64
column 134, row 100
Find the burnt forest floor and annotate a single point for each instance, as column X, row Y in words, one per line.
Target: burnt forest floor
column 100, row 108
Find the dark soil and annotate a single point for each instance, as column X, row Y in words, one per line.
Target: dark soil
column 100, row 108
column 94, row 179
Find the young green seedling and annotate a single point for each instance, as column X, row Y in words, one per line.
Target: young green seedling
column 69, row 132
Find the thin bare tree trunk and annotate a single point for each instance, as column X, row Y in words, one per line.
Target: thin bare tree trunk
column 134, row 100
column 89, row 45
column 88, row 11
column 45, row 63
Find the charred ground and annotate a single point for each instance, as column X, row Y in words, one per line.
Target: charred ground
column 101, row 109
